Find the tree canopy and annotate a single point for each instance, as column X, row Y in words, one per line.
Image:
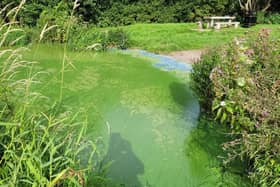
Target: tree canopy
column 125, row 12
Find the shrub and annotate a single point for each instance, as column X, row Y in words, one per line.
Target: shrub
column 245, row 89
column 16, row 37
column 118, row 38
column 201, row 83
column 268, row 18
column 57, row 17
column 91, row 38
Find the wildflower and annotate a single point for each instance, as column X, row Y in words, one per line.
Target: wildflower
column 237, row 42
column 249, row 52
column 216, row 71
column 257, row 125
column 223, row 103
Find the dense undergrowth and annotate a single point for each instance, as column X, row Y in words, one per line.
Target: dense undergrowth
column 238, row 86
column 118, row 12
column 39, row 146
column 268, row 18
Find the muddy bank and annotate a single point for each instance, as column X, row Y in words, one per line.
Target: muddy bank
column 188, row 56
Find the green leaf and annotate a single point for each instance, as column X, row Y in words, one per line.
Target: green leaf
column 215, row 107
column 57, row 178
column 232, row 121
column 219, row 113
column 229, row 109
column 33, row 170
column 224, row 117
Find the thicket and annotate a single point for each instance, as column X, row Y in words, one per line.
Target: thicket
column 52, row 27
column 118, row 12
column 241, row 86
column 268, row 18
column 91, row 38
column 159, row 11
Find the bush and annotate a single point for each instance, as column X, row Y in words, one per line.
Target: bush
column 17, row 37
column 273, row 18
column 117, row 38
column 59, row 19
column 246, row 97
column 95, row 39
column 201, row 82
column 268, row 18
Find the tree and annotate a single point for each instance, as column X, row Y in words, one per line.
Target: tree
column 255, row 5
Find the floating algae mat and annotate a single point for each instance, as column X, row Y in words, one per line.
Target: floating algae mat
column 151, row 115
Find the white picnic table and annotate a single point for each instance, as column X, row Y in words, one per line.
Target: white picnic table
column 218, row 21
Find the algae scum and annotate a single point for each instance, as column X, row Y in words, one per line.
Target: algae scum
column 144, row 112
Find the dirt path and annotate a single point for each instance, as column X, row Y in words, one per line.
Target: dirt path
column 189, row 56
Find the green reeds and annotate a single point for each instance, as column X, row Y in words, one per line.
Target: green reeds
column 37, row 148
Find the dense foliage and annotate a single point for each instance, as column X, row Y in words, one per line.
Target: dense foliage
column 89, row 38
column 55, row 21
column 119, row 12
column 40, row 145
column 243, row 87
column 160, row 11
column 269, row 18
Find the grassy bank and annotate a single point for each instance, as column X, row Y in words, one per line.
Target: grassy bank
column 159, row 38
column 183, row 36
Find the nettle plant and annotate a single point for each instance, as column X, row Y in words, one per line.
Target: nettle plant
column 246, row 84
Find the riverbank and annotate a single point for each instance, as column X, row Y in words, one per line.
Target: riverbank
column 167, row 38
column 187, row 56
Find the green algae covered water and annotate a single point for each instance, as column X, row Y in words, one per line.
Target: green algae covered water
column 146, row 116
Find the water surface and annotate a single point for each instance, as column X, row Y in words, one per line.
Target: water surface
column 141, row 106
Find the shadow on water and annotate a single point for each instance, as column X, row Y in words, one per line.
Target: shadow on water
column 183, row 97
column 180, row 93
column 125, row 166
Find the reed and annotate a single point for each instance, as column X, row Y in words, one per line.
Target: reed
column 37, row 148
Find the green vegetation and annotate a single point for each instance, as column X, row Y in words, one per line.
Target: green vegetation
column 118, row 12
column 57, row 101
column 39, row 146
column 159, row 38
column 243, row 94
column 269, row 18
column 175, row 37
column 52, row 25
column 94, row 39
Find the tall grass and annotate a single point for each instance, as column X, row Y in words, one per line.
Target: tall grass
column 37, row 148
column 65, row 59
